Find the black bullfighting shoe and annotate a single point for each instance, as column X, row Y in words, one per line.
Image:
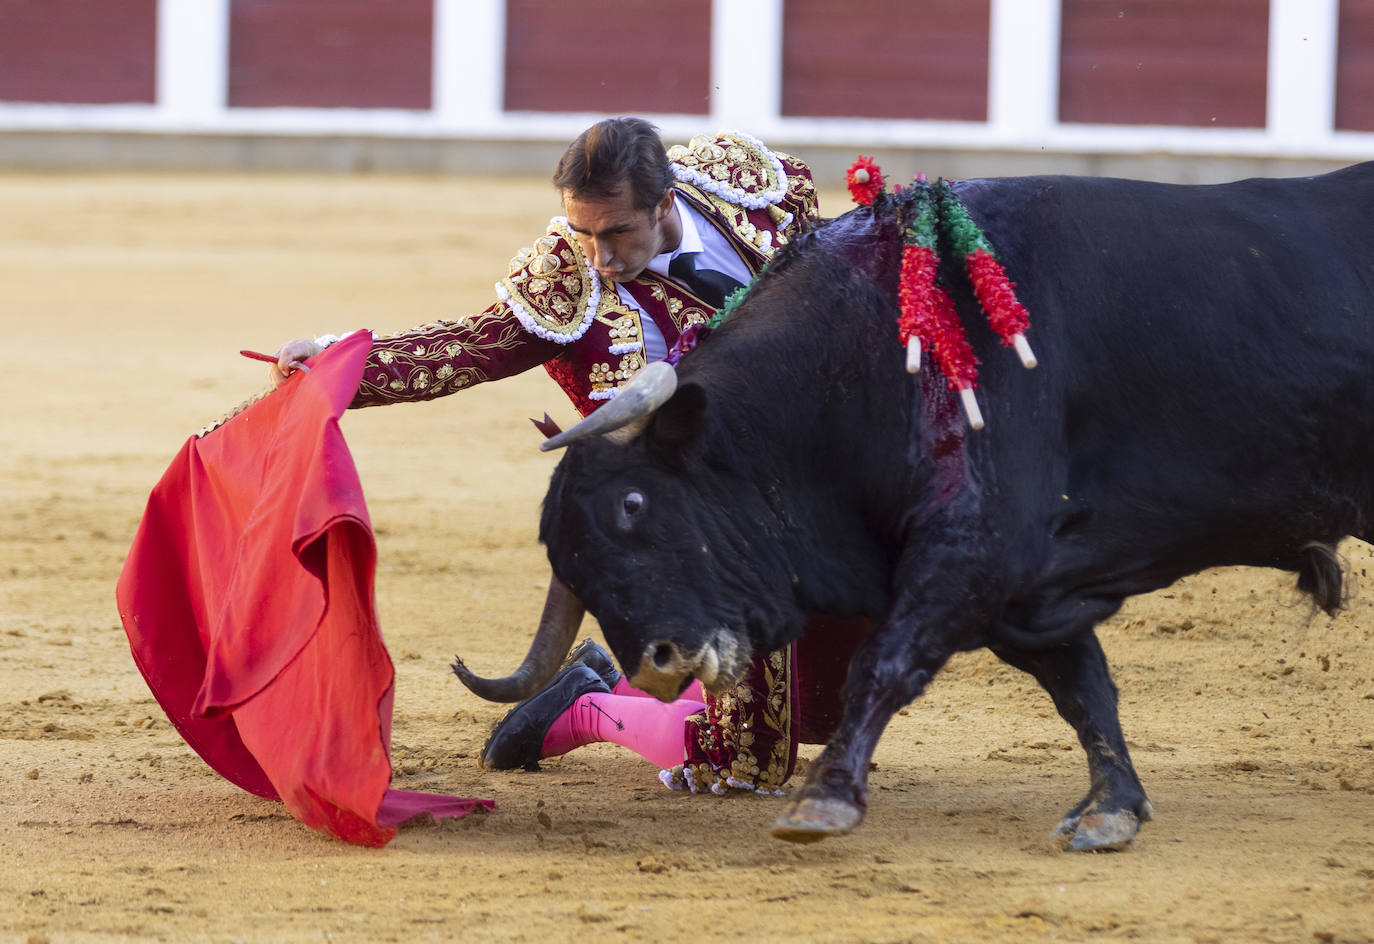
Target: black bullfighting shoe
column 517, row 738
column 590, row 654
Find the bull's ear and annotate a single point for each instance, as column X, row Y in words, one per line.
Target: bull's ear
column 681, row 421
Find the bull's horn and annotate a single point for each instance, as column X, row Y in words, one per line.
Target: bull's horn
column 557, row 629
column 645, row 392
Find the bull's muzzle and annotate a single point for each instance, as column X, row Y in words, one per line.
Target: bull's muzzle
column 666, row 668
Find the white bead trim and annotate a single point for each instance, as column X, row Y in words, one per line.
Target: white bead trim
column 752, row 201
column 325, row 340
column 689, row 782
column 593, row 300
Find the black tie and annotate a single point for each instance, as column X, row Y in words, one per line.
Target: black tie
column 710, row 286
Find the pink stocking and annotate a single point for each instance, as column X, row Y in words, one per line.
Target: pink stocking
column 623, row 687
column 647, row 726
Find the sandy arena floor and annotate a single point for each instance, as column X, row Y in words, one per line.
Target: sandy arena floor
column 123, row 302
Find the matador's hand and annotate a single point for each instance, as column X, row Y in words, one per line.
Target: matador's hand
column 290, row 358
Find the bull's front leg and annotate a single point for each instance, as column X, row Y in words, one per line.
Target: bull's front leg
column 892, row 666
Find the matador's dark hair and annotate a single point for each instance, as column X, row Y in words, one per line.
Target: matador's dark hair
column 612, row 152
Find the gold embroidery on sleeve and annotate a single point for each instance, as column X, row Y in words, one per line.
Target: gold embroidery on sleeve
column 410, row 359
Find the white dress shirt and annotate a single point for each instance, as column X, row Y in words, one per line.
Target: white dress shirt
column 717, row 252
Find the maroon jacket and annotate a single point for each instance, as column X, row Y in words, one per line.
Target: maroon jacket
column 553, row 309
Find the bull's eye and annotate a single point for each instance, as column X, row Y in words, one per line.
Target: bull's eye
column 631, row 505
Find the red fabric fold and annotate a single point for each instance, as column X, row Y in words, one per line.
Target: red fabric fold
column 248, row 601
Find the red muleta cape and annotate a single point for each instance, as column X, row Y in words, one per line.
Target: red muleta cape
column 248, row 601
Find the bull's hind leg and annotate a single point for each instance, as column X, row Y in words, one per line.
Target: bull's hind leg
column 1076, row 676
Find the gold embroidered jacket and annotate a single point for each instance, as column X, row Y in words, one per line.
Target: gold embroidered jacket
column 553, row 308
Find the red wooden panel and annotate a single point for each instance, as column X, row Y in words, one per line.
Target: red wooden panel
column 331, row 53
column 616, row 56
column 1166, row 62
column 886, row 59
column 95, row 52
column 1355, row 66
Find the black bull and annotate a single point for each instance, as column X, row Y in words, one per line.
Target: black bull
column 1205, row 397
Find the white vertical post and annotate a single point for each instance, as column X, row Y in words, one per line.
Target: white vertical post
column 192, row 60
column 746, row 64
column 469, row 63
column 1023, row 69
column 1302, row 72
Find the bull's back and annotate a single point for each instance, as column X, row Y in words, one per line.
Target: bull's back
column 1207, row 352
column 1129, row 259
column 1224, row 298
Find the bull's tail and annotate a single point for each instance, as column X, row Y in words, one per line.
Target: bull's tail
column 1321, row 575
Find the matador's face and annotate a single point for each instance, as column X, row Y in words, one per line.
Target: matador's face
column 619, row 238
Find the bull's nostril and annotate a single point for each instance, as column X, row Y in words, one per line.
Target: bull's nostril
column 664, row 654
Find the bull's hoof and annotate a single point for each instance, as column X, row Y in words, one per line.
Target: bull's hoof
column 1097, row 832
column 812, row 819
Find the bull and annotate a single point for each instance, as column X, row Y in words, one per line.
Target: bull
column 1205, row 397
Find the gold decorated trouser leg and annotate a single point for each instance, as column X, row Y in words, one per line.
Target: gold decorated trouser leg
column 746, row 738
